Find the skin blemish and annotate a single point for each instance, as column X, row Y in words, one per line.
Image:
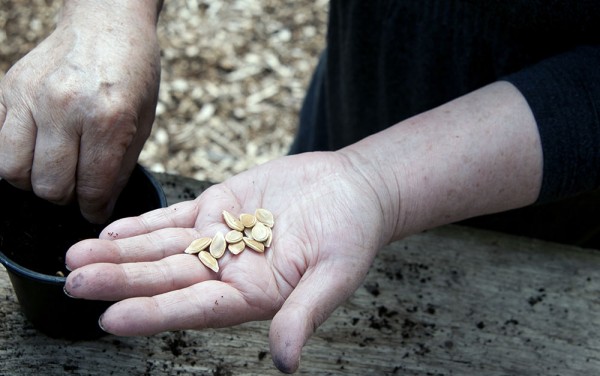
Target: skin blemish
column 77, row 281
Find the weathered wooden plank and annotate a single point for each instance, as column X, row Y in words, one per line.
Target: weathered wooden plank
column 451, row 301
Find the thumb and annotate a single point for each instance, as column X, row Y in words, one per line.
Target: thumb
column 317, row 295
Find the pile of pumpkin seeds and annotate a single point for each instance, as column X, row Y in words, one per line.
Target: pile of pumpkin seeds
column 247, row 230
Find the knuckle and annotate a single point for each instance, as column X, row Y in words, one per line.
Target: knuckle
column 62, row 95
column 115, row 117
column 92, row 195
column 14, row 173
column 103, row 106
column 11, row 173
column 52, row 193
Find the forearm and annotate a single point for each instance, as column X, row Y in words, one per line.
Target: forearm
column 476, row 155
column 116, row 13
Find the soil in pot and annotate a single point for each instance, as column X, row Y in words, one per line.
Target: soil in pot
column 36, row 234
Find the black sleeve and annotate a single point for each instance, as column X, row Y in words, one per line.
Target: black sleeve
column 564, row 94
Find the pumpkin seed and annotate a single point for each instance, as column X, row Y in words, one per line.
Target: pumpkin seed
column 265, row 217
column 218, row 245
column 236, row 248
column 198, row 245
column 252, row 231
column 260, row 232
column 234, row 236
column 209, row 261
column 248, row 220
column 232, row 222
column 254, row 245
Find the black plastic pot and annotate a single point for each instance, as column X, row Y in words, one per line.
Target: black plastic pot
column 34, row 237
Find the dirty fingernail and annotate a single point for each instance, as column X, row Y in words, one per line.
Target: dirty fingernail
column 67, row 293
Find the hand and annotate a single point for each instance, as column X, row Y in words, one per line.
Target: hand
column 328, row 227
column 333, row 212
column 75, row 112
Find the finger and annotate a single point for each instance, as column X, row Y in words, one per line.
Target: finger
column 105, row 281
column 96, row 211
column 17, row 143
column 209, row 304
column 212, row 202
column 151, row 247
column 106, row 136
column 313, row 300
column 182, row 214
column 126, row 127
column 55, row 163
column 97, row 205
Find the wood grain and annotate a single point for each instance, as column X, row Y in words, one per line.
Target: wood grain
column 451, row 301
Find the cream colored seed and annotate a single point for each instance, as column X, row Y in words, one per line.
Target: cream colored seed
column 269, row 239
column 248, row 220
column 233, row 236
column 252, row 231
column 260, row 232
column 218, row 245
column 232, row 222
column 198, row 245
column 209, row 261
column 236, row 248
column 253, row 244
column 265, row 217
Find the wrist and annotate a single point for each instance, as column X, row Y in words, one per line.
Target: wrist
column 476, row 155
column 117, row 33
column 380, row 186
column 138, row 12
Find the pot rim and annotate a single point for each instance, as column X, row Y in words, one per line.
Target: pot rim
column 22, row 271
column 158, row 189
column 13, row 267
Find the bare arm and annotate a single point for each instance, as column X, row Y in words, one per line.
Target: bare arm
column 476, row 155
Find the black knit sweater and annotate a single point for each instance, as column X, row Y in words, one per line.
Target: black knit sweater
column 387, row 60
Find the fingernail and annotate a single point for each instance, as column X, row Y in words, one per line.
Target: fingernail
column 67, row 267
column 100, row 323
column 67, row 293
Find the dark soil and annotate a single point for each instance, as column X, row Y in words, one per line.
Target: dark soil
column 36, row 234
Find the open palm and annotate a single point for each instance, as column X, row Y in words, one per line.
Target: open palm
column 328, row 226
